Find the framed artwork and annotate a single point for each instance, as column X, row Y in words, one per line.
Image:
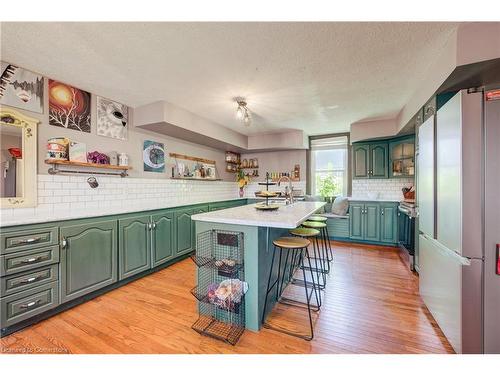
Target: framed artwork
column 112, row 119
column 69, row 107
column 21, row 88
column 153, row 155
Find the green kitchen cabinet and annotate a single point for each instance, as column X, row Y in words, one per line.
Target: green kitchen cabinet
column 402, row 157
column 184, row 231
column 361, row 161
column 162, row 237
column 374, row 222
column 388, row 223
column 356, row 226
column 379, row 160
column 88, row 257
column 370, row 160
column 134, row 242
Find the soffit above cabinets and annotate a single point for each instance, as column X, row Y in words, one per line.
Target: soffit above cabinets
column 168, row 119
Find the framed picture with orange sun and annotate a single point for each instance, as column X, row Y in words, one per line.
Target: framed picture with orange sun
column 69, row 107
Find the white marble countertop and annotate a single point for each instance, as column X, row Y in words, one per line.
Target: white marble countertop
column 287, row 216
column 60, row 215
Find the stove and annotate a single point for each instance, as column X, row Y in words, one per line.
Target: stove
column 406, row 231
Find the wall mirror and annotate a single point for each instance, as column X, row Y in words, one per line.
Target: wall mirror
column 18, row 154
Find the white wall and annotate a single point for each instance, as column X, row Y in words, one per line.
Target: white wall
column 278, row 161
column 132, row 146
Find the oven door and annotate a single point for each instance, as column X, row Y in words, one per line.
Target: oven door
column 406, row 237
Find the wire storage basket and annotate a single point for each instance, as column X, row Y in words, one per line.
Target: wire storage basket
column 221, row 285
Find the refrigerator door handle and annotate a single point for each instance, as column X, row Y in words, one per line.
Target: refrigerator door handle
column 448, row 252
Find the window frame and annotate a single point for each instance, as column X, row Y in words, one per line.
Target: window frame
column 309, row 181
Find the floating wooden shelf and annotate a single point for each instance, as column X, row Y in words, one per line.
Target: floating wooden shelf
column 121, row 169
column 89, row 165
column 192, row 158
column 249, row 167
column 196, row 179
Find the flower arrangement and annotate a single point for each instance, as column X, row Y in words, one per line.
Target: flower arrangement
column 242, row 180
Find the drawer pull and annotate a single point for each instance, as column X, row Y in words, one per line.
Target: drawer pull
column 30, row 304
column 30, row 280
column 30, row 240
column 32, row 260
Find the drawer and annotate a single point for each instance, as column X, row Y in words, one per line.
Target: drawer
column 28, row 239
column 27, row 280
column 24, row 305
column 28, row 260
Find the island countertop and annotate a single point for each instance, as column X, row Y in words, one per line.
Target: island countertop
column 287, row 216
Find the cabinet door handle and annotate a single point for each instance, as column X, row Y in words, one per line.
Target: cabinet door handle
column 64, row 243
column 32, row 260
column 149, row 226
column 30, row 240
column 382, row 211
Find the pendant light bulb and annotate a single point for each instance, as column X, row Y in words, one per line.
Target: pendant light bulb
column 246, row 119
column 239, row 112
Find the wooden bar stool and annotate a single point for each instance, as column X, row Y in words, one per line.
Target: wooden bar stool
column 293, row 244
column 319, row 269
column 325, row 243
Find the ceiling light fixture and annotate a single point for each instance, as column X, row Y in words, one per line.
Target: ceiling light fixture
column 243, row 113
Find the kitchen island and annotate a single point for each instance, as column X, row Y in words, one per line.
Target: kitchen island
column 259, row 229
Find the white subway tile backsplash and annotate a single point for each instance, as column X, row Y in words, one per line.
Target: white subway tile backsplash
column 61, row 197
column 380, row 189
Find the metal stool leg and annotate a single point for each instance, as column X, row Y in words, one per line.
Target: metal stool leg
column 280, row 286
column 279, row 273
column 308, row 302
column 329, row 244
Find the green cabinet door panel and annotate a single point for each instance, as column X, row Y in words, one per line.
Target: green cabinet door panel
column 162, row 248
column 360, row 161
column 134, row 244
column 88, row 259
column 372, row 222
column 379, row 160
column 388, row 223
column 183, row 231
column 356, row 215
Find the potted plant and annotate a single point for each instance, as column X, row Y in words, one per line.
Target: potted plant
column 328, row 186
column 242, row 180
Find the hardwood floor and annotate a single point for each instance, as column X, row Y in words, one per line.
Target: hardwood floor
column 371, row 305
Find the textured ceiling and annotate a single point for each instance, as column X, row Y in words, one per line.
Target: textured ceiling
column 319, row 77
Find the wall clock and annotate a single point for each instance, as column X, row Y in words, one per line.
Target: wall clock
column 153, row 156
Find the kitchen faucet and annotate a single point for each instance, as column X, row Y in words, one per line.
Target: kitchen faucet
column 288, row 189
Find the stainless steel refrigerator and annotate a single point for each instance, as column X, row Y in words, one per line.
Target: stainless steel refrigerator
column 458, row 204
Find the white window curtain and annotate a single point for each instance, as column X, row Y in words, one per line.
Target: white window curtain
column 329, row 165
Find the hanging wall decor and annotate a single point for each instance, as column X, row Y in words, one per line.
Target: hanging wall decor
column 21, row 88
column 112, row 119
column 69, row 107
column 153, row 156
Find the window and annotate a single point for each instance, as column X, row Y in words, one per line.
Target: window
column 329, row 165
